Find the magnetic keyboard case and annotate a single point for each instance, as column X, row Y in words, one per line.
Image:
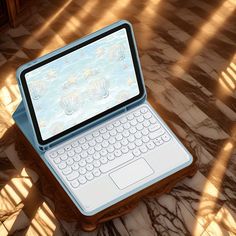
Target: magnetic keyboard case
column 23, row 121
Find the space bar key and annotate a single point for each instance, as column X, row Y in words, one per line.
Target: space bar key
column 117, row 162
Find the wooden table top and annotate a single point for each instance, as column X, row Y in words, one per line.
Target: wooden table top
column 187, row 52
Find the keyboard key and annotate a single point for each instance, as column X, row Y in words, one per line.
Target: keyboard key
column 117, row 162
column 67, row 148
column 63, row 157
column 117, row 153
column 57, row 160
column 132, row 130
column 89, row 137
column 123, row 120
column 138, row 142
column 72, row 176
column 143, row 149
column 89, row 176
column 89, row 159
column 158, row 141
column 125, row 133
column 124, row 149
column 92, row 143
column 82, row 163
column 110, row 149
column 145, row 131
column 111, row 140
column 67, row 170
column 113, row 132
column 117, row 123
column 147, row 115
column 102, row 130
column 139, row 127
column 78, row 149
column 138, row 135
column 76, row 157
column 131, row 138
column 153, row 128
column 105, row 143
column 131, row 146
column 137, row 113
column 96, row 163
column 96, row 155
column 99, row 139
column 71, row 153
column 140, row 119
column 89, row 167
column 60, row 151
column 98, row 147
column 106, row 136
column 75, row 166
column 91, row 151
column 144, row 110
column 157, row 133
column 84, row 154
column 82, row 180
column 85, row 146
column 75, row 184
column 150, row 145
column 62, row 165
column 124, row 141
column 103, row 152
column 75, row 144
column 110, row 157
column 146, row 123
column 69, row 161
column 103, row 160
column 136, row 152
column 130, row 117
column 153, row 120
column 110, row 127
column 126, row 125
column 95, row 134
column 118, row 137
column 120, row 129
column 82, row 170
column 117, row 145
column 133, row 122
column 165, row 137
column 96, row 172
column 145, row 139
column 82, row 140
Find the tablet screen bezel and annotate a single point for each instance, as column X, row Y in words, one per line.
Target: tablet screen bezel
column 100, row 115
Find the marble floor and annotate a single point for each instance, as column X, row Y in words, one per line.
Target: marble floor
column 188, row 55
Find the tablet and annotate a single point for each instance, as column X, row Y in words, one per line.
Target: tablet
column 83, row 83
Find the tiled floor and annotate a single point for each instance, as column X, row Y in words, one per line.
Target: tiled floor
column 188, row 55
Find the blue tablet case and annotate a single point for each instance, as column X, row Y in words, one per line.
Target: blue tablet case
column 21, row 120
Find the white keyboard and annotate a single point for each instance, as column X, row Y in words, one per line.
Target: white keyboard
column 100, row 151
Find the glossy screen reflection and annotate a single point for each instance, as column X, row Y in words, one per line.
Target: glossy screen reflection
column 82, row 84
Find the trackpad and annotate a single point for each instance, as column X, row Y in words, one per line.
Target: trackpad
column 132, row 173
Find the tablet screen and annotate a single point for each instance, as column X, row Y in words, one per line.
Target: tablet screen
column 82, row 84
